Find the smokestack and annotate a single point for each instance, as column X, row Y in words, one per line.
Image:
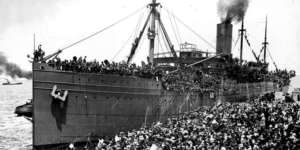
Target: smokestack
column 229, row 11
column 224, row 38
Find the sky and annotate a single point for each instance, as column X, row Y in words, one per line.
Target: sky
column 58, row 23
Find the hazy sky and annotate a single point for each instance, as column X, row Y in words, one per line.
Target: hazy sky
column 57, row 23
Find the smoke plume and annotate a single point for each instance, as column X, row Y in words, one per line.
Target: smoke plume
column 12, row 69
column 232, row 10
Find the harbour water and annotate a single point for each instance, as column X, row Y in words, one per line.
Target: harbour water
column 16, row 132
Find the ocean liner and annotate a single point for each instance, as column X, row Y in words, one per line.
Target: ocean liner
column 70, row 104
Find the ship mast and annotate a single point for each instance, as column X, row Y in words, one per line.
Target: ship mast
column 34, row 42
column 151, row 31
column 152, row 19
column 242, row 30
column 265, row 43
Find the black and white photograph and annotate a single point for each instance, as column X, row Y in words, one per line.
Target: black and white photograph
column 149, row 75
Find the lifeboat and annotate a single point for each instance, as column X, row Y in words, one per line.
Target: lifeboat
column 24, row 110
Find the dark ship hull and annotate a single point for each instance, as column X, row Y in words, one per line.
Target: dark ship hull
column 104, row 104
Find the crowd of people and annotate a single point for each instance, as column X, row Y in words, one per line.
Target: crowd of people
column 82, row 65
column 38, row 54
column 250, row 72
column 180, row 80
column 282, row 77
column 260, row 124
column 184, row 78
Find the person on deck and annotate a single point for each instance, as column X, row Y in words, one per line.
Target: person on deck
column 41, row 53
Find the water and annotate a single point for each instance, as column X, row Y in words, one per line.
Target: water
column 16, row 132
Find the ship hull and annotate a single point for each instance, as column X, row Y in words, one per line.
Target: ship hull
column 105, row 104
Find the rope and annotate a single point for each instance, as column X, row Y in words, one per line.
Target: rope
column 163, row 38
column 141, row 43
column 262, row 49
column 248, row 42
column 159, row 47
column 159, row 44
column 139, row 24
column 107, row 27
column 123, row 45
column 237, row 40
column 272, row 59
column 134, row 33
column 193, row 31
column 174, row 30
column 177, row 29
column 159, row 39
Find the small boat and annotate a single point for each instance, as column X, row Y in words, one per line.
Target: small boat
column 24, row 110
column 15, row 83
column 11, row 83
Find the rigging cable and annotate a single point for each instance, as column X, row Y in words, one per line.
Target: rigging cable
column 134, row 33
column 247, row 41
column 160, row 47
column 177, row 29
column 157, row 40
column 174, row 30
column 159, row 44
column 272, row 59
column 163, row 38
column 262, row 49
column 107, row 27
column 237, row 40
column 193, row 31
column 139, row 24
column 123, row 45
column 141, row 43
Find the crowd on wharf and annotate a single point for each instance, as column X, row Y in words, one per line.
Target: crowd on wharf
column 259, row 124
